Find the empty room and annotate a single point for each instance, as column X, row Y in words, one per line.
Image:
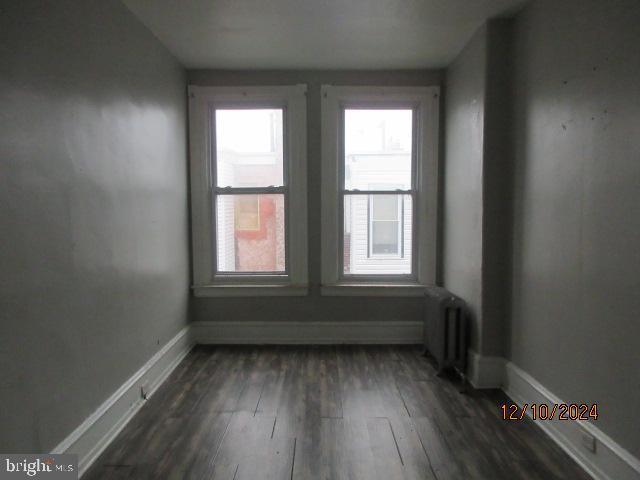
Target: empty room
column 320, row 239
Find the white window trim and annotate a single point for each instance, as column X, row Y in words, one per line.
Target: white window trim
column 425, row 101
column 205, row 281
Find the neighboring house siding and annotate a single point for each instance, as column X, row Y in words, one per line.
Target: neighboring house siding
column 226, row 238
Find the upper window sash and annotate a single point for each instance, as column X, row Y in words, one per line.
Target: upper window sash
column 203, row 102
column 363, row 106
column 424, row 101
column 225, row 108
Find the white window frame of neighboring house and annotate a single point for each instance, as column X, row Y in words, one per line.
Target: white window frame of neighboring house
column 399, row 221
column 424, row 101
column 202, row 104
column 370, row 220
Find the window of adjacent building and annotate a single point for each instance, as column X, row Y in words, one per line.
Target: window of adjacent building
column 248, row 155
column 385, row 226
column 379, row 167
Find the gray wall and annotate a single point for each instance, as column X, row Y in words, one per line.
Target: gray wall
column 465, row 89
column 93, row 188
column 497, row 183
column 313, row 307
column 477, row 183
column 576, row 262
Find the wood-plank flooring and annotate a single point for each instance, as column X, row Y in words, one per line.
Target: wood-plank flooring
column 325, row 412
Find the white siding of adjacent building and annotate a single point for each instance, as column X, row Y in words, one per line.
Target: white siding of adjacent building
column 225, row 237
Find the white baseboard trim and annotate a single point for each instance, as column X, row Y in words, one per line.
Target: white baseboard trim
column 485, row 371
column 296, row 332
column 93, row 435
column 610, row 462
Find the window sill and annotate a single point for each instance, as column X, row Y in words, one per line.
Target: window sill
column 227, row 290
column 373, row 290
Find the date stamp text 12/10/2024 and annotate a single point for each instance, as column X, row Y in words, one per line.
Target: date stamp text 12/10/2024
column 543, row 411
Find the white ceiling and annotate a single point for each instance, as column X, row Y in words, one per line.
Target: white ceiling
column 353, row 34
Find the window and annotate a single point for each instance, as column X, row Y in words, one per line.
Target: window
column 248, row 190
column 379, row 167
column 378, row 145
column 385, row 226
column 250, row 226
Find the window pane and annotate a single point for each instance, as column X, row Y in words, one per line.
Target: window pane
column 376, row 246
column 250, row 233
column 385, row 238
column 377, row 148
column 385, row 207
column 249, row 148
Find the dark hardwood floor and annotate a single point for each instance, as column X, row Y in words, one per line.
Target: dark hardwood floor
column 334, row 412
